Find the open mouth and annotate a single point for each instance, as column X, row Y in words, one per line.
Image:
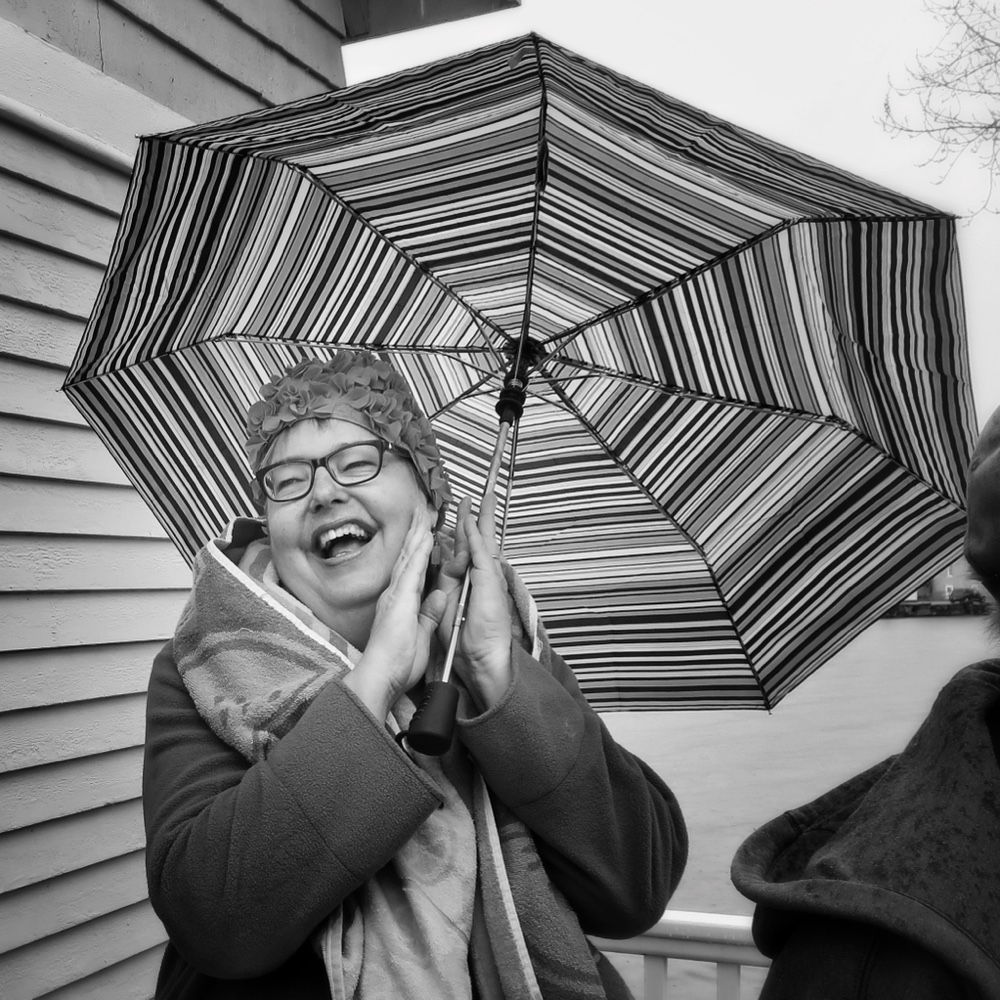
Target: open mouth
column 342, row 541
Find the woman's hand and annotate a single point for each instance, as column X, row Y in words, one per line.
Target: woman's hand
column 395, row 656
column 483, row 660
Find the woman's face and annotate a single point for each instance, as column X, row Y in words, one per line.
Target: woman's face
column 335, row 548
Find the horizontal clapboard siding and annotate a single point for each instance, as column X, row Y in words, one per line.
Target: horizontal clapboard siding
column 37, row 853
column 90, row 586
column 41, row 215
column 48, row 279
column 55, row 451
column 62, row 959
column 41, row 505
column 73, row 175
column 37, row 736
column 27, row 331
column 49, row 620
column 82, row 895
column 35, row 677
column 213, row 50
column 35, row 796
column 130, row 979
column 203, row 58
column 31, row 563
column 29, row 389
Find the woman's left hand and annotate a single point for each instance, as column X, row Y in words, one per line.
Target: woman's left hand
column 483, row 660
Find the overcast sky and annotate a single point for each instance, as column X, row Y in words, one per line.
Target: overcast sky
column 811, row 76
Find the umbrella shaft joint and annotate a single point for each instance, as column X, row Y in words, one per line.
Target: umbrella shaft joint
column 510, row 405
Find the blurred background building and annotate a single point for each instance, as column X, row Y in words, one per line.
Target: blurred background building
column 956, row 590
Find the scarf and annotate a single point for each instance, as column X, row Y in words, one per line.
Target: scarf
column 253, row 657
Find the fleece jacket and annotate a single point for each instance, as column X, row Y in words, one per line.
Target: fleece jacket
column 898, row 866
column 244, row 862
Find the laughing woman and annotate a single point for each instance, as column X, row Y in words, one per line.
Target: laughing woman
column 294, row 848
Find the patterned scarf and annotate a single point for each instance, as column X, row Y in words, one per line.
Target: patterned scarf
column 253, row 658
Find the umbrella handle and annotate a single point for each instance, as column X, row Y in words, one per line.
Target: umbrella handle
column 433, row 723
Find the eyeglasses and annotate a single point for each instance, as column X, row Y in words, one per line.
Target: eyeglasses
column 348, row 465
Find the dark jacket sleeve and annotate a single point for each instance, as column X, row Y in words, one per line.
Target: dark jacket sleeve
column 243, row 862
column 608, row 830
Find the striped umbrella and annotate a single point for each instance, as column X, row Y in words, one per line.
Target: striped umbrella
column 748, row 412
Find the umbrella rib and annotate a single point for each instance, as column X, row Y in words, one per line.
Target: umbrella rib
column 560, row 341
column 709, row 124
column 591, row 370
column 281, row 342
column 481, row 389
column 626, row 471
column 173, row 352
column 252, row 338
column 481, row 320
column 596, row 371
column 455, row 352
column 541, row 178
column 473, row 390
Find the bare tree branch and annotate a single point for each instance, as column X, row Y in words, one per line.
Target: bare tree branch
column 953, row 95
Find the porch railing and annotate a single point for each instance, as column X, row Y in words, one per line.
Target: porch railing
column 720, row 939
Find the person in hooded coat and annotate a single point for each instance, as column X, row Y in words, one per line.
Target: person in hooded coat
column 887, row 887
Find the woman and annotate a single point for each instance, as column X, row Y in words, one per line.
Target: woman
column 295, row 849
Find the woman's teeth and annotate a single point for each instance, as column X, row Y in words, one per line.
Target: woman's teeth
column 342, row 537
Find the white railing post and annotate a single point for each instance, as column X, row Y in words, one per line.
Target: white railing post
column 727, row 981
column 721, row 939
column 654, row 977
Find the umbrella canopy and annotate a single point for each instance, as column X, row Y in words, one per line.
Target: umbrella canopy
column 749, row 411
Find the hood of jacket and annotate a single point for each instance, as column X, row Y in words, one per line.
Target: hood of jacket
column 911, row 845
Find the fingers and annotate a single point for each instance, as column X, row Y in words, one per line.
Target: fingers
column 480, row 549
column 454, row 568
column 488, row 522
column 433, row 609
column 484, row 645
column 411, row 565
column 462, row 516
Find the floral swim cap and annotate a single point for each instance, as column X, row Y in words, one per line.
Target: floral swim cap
column 358, row 387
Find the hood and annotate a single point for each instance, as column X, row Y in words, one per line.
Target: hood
column 911, row 845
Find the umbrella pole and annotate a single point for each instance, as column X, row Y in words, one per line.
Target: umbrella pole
column 433, row 723
column 491, row 483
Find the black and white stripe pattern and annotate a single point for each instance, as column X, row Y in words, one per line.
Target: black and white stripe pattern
column 747, row 434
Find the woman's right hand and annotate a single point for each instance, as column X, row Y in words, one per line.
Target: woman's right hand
column 398, row 647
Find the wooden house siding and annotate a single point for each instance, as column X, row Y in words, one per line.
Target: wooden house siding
column 90, row 586
column 203, row 58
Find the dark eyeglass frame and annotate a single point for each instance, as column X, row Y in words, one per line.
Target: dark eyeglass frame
column 324, row 462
